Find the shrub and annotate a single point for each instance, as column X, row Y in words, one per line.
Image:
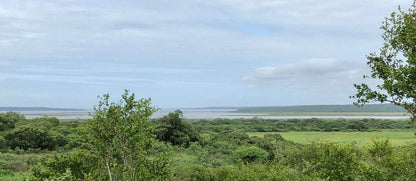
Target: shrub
column 327, row 161
column 244, row 172
column 80, row 164
column 171, row 128
column 29, row 137
column 380, row 149
column 251, row 154
column 9, row 119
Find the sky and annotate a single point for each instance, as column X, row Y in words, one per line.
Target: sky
column 187, row 53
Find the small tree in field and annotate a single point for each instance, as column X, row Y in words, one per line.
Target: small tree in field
column 120, row 135
column 394, row 65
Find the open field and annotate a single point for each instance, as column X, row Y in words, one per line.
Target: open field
column 397, row 138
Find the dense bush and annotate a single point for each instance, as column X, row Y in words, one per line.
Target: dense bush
column 383, row 162
column 81, row 164
column 171, row 128
column 9, row 119
column 313, row 124
column 29, row 138
column 251, row 154
column 275, row 145
column 327, row 161
column 247, row 172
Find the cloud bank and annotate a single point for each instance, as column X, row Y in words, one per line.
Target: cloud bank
column 186, row 53
column 316, row 72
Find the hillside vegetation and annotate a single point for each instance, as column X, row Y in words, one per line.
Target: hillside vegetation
column 369, row 108
column 171, row 148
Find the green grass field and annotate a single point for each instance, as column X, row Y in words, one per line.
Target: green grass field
column 397, row 138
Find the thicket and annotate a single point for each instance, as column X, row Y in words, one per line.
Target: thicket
column 171, row 128
column 313, row 124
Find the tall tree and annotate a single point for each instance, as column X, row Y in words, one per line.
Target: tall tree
column 120, row 135
column 394, row 65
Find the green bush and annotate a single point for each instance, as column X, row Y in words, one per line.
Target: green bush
column 327, row 161
column 313, row 124
column 380, row 149
column 251, row 154
column 29, row 138
column 171, row 128
column 9, row 119
column 75, row 165
column 46, row 123
column 244, row 172
column 275, row 145
column 382, row 163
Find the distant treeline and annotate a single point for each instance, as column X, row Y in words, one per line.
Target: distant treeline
column 313, row 124
column 325, row 108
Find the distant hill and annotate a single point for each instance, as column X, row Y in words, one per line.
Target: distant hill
column 17, row 109
column 324, row 108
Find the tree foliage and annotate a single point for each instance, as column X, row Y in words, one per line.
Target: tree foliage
column 394, row 65
column 29, row 137
column 171, row 128
column 251, row 154
column 120, row 135
column 80, row 164
column 9, row 119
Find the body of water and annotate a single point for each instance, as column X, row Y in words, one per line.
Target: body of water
column 199, row 114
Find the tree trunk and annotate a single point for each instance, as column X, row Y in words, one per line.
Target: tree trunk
column 108, row 170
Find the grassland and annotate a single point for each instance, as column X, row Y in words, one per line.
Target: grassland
column 397, row 138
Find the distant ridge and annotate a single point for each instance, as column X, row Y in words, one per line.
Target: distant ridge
column 16, row 109
column 325, row 108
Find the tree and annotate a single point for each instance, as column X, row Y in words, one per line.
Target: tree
column 394, row 65
column 9, row 119
column 171, row 128
column 121, row 137
column 28, row 137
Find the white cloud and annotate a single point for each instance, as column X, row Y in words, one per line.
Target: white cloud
column 172, row 44
column 66, row 29
column 312, row 72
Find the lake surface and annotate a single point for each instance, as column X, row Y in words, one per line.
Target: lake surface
column 205, row 113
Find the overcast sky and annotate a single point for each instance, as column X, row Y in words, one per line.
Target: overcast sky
column 194, row 53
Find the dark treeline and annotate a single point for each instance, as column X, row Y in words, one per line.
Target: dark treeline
column 313, row 124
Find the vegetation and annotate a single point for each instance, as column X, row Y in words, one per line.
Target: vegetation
column 9, row 119
column 313, row 124
column 360, row 139
column 220, row 150
column 121, row 142
column 369, row 108
column 394, row 65
column 29, row 138
column 171, row 128
column 120, row 136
